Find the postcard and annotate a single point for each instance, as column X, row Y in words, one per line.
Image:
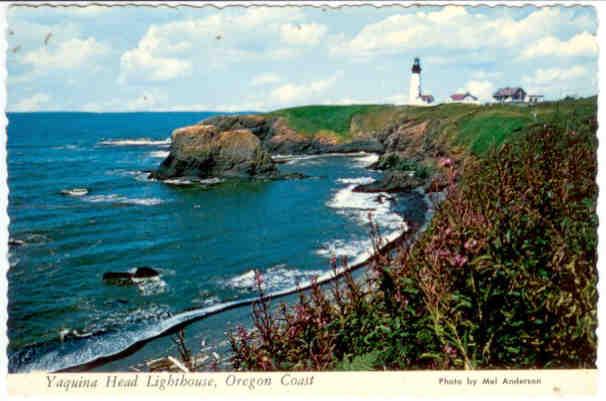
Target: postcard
column 337, row 199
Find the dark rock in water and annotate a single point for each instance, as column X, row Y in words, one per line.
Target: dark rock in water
column 118, row 278
column 392, row 181
column 292, row 176
column 382, row 198
column 145, row 272
column 15, row 243
column 127, row 278
column 204, row 151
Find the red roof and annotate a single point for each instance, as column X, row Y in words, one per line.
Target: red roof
column 462, row 96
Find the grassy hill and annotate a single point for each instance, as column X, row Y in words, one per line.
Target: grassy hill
column 469, row 127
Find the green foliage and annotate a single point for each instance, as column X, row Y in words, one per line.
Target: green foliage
column 392, row 162
column 359, row 363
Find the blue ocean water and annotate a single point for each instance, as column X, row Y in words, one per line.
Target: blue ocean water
column 205, row 241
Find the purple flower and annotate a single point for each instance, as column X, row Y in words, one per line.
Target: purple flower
column 458, row 260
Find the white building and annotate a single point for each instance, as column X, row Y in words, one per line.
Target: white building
column 510, row 95
column 416, row 96
column 463, row 98
column 535, row 98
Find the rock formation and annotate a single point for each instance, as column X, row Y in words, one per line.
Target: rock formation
column 204, row 150
column 128, row 278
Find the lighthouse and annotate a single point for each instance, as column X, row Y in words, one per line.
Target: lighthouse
column 415, row 82
column 415, row 94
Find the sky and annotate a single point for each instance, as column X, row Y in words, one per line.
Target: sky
column 131, row 58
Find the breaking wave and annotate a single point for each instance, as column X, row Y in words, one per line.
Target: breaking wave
column 136, row 142
column 75, row 192
column 113, row 198
column 275, row 278
column 159, row 154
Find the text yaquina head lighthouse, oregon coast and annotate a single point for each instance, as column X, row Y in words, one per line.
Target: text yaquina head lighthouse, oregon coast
column 416, row 96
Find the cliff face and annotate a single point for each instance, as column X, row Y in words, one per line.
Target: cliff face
column 277, row 137
column 204, row 150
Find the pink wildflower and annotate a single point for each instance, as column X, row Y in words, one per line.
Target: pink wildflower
column 458, row 260
column 445, row 162
column 470, row 244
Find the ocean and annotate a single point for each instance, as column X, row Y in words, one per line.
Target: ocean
column 205, row 240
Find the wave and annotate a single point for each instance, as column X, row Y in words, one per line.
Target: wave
column 113, row 198
column 358, row 180
column 362, row 208
column 138, row 175
column 352, row 249
column 184, row 181
column 275, row 278
column 75, row 192
column 367, row 160
column 149, row 285
column 159, row 154
column 364, row 158
column 135, row 142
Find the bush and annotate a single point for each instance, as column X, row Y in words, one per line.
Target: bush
column 392, row 161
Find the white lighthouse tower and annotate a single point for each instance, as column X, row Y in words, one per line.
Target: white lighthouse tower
column 415, row 94
column 415, row 83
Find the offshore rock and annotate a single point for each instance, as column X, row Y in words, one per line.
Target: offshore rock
column 128, row 278
column 204, row 150
column 392, row 181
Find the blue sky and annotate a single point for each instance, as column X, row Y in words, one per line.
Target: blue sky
column 263, row 58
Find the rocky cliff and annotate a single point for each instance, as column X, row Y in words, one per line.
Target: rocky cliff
column 205, row 150
column 241, row 145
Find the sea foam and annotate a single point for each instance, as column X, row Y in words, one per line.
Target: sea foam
column 159, row 154
column 275, row 278
column 136, row 142
column 113, row 198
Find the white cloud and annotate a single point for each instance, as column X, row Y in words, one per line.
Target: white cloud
column 175, row 49
column 302, row 34
column 33, row 103
column 544, row 76
column 454, row 28
column 70, row 54
column 483, row 90
column 142, row 63
column 583, row 44
column 265, row 79
column 558, row 81
column 289, row 94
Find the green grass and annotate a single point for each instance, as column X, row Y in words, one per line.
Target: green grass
column 481, row 132
column 310, row 120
